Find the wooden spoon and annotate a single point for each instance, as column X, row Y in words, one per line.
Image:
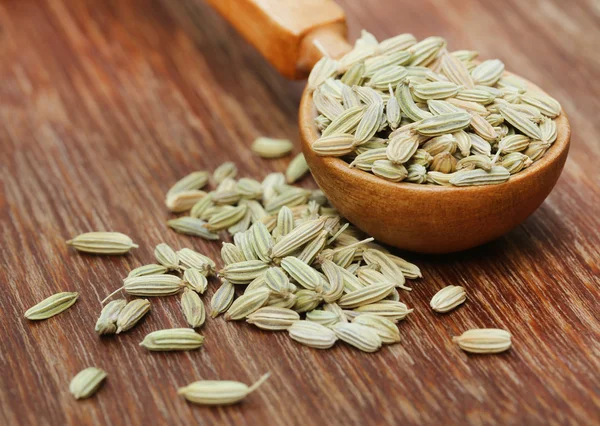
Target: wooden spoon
column 291, row 35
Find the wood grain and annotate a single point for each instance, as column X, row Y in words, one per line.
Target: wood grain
column 105, row 104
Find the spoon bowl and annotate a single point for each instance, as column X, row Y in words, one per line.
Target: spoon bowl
column 428, row 218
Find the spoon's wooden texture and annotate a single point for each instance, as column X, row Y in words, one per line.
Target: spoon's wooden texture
column 421, row 218
column 104, row 104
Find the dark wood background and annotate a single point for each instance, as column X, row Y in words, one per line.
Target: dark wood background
column 104, row 104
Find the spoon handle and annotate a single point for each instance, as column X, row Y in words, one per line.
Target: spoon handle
column 291, row 34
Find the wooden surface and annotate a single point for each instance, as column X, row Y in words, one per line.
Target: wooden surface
column 104, row 104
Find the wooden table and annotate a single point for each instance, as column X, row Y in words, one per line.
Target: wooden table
column 104, row 104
